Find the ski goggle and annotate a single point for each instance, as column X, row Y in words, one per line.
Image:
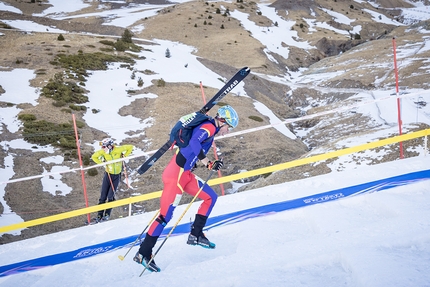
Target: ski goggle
column 225, row 123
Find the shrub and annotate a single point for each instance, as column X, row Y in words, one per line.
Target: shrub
column 127, row 36
column 5, row 26
column 59, row 103
column 81, row 62
column 44, row 133
column 41, row 72
column 161, row 83
column 121, row 46
column 77, row 108
column 63, row 92
column 80, row 124
column 255, row 118
column 86, row 159
column 107, row 42
column 148, row 72
column 27, row 117
column 106, row 49
column 68, row 142
column 60, row 37
column 92, row 172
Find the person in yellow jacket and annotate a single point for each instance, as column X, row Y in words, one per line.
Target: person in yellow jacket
column 112, row 175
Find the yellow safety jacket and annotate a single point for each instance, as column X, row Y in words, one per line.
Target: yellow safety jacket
column 116, row 153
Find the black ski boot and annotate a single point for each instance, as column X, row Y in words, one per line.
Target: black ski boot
column 197, row 237
column 144, row 261
column 144, row 255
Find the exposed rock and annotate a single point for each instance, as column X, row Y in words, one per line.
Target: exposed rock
column 335, row 47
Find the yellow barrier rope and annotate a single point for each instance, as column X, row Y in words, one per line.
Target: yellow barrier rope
column 224, row 179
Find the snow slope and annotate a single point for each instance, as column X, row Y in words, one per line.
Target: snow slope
column 373, row 239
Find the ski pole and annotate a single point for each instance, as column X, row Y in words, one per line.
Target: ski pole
column 111, row 183
column 177, row 222
column 137, row 239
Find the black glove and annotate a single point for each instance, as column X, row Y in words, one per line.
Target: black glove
column 194, row 167
column 216, row 165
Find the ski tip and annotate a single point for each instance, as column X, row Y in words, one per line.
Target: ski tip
column 245, row 71
column 121, row 257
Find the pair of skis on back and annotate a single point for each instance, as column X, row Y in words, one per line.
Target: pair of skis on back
column 233, row 82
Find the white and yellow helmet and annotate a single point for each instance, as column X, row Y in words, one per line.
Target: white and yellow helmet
column 229, row 115
column 107, row 143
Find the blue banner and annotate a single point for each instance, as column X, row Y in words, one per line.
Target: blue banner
column 216, row 221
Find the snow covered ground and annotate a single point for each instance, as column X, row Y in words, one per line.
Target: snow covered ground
column 371, row 240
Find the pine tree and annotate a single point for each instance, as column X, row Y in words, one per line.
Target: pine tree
column 127, row 36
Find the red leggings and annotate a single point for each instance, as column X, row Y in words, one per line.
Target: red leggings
column 176, row 182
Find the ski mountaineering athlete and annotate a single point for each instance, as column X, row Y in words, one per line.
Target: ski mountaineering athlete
column 112, row 175
column 178, row 178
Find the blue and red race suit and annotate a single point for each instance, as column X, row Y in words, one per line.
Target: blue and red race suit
column 178, row 177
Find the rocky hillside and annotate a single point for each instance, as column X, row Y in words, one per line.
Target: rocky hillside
column 349, row 60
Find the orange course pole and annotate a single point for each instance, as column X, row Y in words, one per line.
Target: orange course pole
column 80, row 165
column 399, row 111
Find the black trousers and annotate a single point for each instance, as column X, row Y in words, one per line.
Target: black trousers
column 109, row 186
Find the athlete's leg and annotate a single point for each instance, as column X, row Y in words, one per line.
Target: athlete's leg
column 207, row 194
column 170, row 198
column 209, row 197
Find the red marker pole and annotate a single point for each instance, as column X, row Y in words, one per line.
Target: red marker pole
column 80, row 164
column 399, row 110
column 213, row 145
